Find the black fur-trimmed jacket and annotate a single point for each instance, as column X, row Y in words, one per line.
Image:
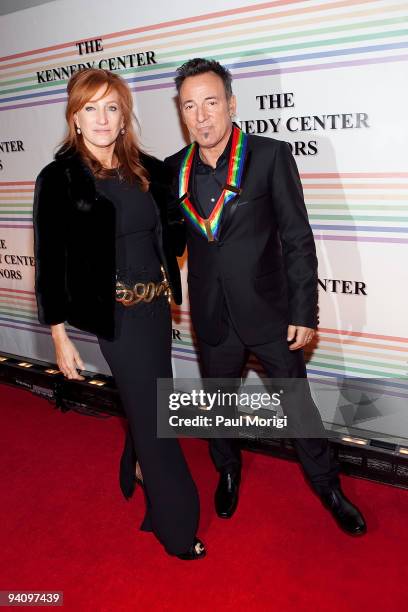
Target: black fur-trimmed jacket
column 74, row 243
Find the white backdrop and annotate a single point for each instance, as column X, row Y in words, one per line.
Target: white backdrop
column 342, row 64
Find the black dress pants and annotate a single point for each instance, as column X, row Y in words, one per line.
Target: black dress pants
column 227, row 360
column 139, row 354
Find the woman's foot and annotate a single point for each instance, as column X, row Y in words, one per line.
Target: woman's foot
column 196, row 551
column 138, row 475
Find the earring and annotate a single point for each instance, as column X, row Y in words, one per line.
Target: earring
column 122, row 131
column 78, row 130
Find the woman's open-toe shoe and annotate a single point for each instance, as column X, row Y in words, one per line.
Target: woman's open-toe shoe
column 196, row 551
column 138, row 475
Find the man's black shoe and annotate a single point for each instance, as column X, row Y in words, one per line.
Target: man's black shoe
column 227, row 493
column 347, row 516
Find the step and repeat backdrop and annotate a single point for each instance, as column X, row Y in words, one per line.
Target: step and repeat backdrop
column 327, row 76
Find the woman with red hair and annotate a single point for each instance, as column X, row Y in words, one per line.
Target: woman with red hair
column 106, row 263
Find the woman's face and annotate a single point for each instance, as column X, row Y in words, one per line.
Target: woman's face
column 100, row 120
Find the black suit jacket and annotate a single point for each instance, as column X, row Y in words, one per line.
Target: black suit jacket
column 74, row 244
column 264, row 264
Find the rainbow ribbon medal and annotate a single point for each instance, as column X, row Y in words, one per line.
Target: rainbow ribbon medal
column 210, row 227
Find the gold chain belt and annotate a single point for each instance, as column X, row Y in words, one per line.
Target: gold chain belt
column 142, row 292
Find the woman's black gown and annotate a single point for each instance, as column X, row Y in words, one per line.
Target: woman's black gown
column 139, row 354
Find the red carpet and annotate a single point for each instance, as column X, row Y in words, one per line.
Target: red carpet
column 65, row 526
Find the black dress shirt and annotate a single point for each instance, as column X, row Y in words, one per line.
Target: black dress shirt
column 209, row 182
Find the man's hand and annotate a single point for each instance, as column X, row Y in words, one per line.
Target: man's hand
column 300, row 335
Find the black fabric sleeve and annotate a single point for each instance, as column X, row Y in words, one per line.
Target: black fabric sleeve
column 298, row 247
column 50, row 246
column 175, row 216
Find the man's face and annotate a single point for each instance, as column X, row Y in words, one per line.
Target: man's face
column 205, row 109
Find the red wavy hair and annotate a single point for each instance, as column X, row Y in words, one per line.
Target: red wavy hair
column 81, row 88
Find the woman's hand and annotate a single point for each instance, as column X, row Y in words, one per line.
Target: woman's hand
column 67, row 356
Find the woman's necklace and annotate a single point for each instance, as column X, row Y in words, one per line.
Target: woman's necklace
column 119, row 174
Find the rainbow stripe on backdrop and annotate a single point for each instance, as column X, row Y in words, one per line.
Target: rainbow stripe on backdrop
column 335, row 354
column 18, row 310
column 16, row 204
column 338, row 353
column 268, row 38
column 372, row 356
column 358, row 206
column 352, row 206
column 210, row 227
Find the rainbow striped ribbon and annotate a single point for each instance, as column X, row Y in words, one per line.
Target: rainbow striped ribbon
column 210, row 227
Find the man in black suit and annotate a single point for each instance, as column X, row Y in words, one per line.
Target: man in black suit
column 252, row 266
